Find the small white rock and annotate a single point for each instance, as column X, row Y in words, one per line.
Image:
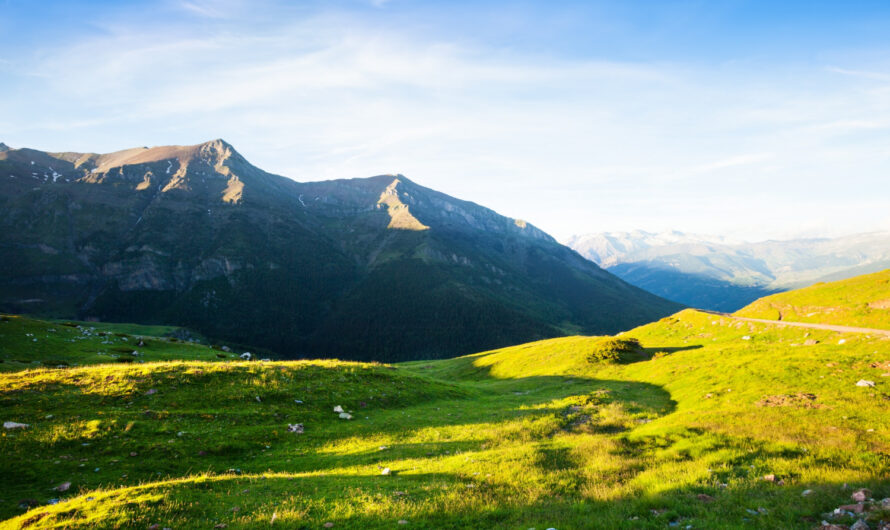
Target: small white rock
column 338, row 408
column 865, row 382
column 386, row 471
column 345, row 416
column 14, row 425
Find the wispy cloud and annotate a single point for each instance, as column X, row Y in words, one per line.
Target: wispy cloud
column 574, row 142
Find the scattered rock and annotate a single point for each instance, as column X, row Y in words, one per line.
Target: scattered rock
column 807, row 493
column 221, row 525
column 865, row 382
column 155, row 526
column 295, row 428
column 328, row 525
column 861, row 495
column 226, row 349
column 298, row 401
column 402, row 521
column 258, row 400
column 769, row 478
column 63, row 486
column 345, row 416
column 855, row 508
column 28, row 503
column 151, row 391
column 746, row 337
column 885, row 504
column 134, row 453
column 15, row 425
column 842, row 341
column 246, row 356
column 704, row 497
column 799, row 400
column 810, row 342
column 386, row 471
column 338, row 408
column 860, row 525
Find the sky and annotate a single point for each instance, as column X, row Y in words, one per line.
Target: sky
column 752, row 120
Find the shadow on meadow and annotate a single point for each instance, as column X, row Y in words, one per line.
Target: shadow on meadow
column 439, row 500
column 112, row 431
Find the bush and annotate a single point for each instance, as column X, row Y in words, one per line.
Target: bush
column 612, row 349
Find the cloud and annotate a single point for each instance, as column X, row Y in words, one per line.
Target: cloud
column 571, row 142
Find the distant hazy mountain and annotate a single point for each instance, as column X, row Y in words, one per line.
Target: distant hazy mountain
column 377, row 268
column 716, row 273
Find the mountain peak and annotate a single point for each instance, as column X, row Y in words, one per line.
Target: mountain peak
column 3, row 147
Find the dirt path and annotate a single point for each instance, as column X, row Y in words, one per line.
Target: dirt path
column 829, row 327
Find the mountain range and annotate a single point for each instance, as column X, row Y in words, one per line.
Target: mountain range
column 375, row 268
column 718, row 273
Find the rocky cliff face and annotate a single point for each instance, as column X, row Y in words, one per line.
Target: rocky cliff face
column 377, row 268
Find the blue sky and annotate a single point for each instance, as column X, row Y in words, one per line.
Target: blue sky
column 749, row 119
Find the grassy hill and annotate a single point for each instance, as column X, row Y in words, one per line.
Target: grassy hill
column 32, row 343
column 681, row 431
column 863, row 301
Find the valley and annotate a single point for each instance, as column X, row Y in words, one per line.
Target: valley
column 721, row 274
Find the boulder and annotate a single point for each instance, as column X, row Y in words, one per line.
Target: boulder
column 865, row 383
column 15, row 425
column 861, row 495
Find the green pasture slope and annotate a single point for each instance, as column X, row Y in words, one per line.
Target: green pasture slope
column 863, row 301
column 32, row 343
column 708, row 423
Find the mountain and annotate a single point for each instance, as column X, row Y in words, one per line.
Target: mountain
column 862, row 301
column 378, row 268
column 717, row 273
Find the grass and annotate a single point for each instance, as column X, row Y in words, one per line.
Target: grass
column 30, row 343
column 679, row 433
column 863, row 301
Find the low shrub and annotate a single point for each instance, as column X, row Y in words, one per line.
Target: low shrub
column 612, row 349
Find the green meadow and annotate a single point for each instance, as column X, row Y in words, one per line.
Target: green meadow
column 862, row 301
column 700, row 422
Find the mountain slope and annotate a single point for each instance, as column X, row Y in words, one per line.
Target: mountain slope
column 716, row 273
column 863, row 301
column 711, row 423
column 378, row 268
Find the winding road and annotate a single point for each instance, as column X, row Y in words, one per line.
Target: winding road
column 828, row 327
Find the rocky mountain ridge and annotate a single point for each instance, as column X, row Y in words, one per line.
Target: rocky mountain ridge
column 376, row 268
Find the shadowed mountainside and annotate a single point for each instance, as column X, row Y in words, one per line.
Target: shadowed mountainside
column 376, row 268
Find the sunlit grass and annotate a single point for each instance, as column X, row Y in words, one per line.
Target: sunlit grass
column 535, row 435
